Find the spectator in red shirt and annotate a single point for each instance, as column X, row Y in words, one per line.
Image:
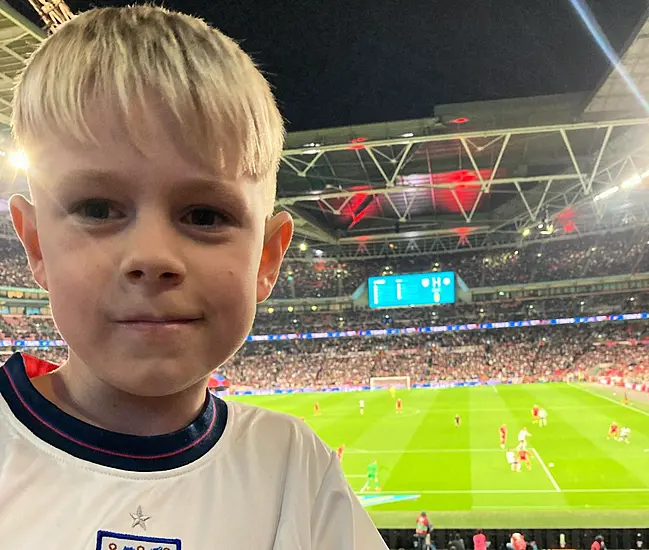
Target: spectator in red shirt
column 517, row 542
column 479, row 540
column 422, row 531
column 598, row 543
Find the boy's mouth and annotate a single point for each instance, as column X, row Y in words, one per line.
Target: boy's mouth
column 158, row 320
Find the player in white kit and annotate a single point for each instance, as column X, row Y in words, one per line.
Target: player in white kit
column 543, row 418
column 625, row 435
column 522, row 438
column 152, row 170
column 512, row 461
column 361, row 406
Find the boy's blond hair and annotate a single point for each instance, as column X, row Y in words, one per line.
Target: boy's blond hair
column 130, row 57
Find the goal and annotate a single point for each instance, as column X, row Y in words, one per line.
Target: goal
column 386, row 382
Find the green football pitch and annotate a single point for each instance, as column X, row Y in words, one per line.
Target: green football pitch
column 460, row 476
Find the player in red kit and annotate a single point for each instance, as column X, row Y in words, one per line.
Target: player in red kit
column 503, row 436
column 524, row 457
column 399, row 406
column 535, row 414
column 316, row 408
column 613, row 431
column 340, row 452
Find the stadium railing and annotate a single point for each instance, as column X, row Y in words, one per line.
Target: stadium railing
column 545, row 539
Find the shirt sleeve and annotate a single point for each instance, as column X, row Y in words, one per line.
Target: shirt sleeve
column 338, row 520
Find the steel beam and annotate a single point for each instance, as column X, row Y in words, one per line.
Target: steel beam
column 430, row 243
column 399, row 189
column 527, row 130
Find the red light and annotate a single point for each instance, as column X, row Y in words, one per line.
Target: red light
column 460, row 120
column 567, row 214
column 357, row 143
column 463, row 234
column 570, row 227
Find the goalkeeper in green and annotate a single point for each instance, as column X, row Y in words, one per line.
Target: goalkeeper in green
column 372, row 477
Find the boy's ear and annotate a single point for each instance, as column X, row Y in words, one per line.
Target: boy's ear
column 279, row 232
column 24, row 220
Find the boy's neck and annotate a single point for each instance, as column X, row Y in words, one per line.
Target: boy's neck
column 91, row 401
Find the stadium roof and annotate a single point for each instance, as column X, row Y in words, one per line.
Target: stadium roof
column 19, row 38
column 615, row 95
column 481, row 174
column 472, row 175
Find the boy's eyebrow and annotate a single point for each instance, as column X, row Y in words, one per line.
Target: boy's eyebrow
column 82, row 176
column 85, row 175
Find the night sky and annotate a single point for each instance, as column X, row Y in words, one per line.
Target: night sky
column 340, row 62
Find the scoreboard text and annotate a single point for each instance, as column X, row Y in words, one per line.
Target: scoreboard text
column 415, row 289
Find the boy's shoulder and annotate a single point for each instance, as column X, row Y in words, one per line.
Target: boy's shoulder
column 249, row 423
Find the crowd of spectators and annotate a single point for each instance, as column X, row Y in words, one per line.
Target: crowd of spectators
column 503, row 354
column 282, row 321
column 593, row 256
column 14, row 270
column 434, row 357
column 535, row 352
column 27, row 327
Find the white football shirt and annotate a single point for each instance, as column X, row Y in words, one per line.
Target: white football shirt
column 237, row 477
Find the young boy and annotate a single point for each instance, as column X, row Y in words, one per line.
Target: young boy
column 153, row 155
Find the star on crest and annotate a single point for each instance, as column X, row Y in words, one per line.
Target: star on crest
column 139, row 518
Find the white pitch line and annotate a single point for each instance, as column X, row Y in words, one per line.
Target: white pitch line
column 546, row 470
column 609, row 399
column 514, row 491
column 419, row 451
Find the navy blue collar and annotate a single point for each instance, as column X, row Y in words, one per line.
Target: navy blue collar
column 87, row 442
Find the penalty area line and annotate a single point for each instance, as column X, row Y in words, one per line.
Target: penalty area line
column 547, row 471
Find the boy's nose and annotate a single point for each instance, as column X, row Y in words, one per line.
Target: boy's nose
column 152, row 255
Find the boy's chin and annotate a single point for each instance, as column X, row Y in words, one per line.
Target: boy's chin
column 157, row 379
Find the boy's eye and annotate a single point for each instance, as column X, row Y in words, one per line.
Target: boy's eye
column 203, row 217
column 97, row 209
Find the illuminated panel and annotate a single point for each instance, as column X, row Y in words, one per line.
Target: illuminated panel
column 415, row 289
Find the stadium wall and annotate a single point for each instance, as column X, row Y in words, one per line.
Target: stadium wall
column 545, row 539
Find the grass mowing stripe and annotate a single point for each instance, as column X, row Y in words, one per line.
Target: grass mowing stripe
column 458, row 473
column 595, row 394
column 546, row 470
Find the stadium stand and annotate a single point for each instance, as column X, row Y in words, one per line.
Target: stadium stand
column 546, row 166
column 476, row 355
column 619, row 253
column 528, row 354
column 613, row 254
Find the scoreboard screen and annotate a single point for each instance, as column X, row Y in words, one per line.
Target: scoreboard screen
column 414, row 289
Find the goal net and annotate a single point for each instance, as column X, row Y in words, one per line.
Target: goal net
column 387, row 382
